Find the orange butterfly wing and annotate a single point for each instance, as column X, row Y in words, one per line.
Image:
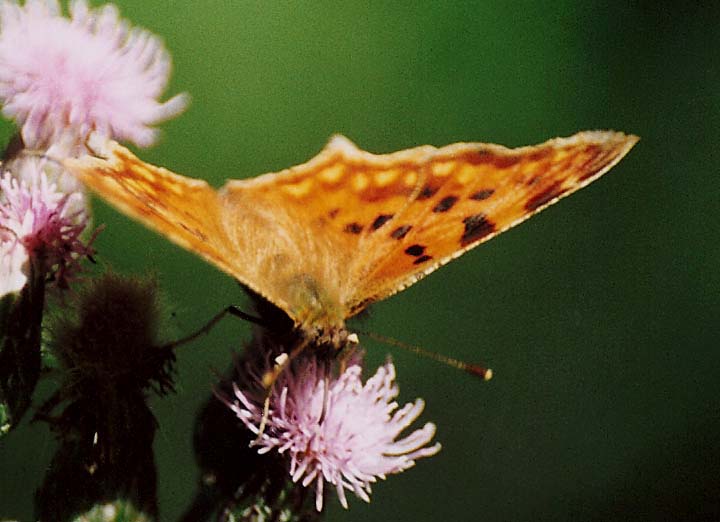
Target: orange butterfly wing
column 185, row 210
column 474, row 191
column 157, row 197
column 324, row 239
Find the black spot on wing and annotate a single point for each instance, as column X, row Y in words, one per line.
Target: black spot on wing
column 427, row 192
column 400, row 232
column 482, row 194
column 353, row 228
column 445, row 204
column 381, row 220
column 477, row 227
column 422, row 259
column 415, row 250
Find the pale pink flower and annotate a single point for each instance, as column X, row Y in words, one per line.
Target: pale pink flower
column 91, row 71
column 13, row 265
column 335, row 429
column 39, row 222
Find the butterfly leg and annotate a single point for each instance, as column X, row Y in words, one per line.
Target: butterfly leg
column 282, row 361
column 346, row 355
column 263, row 420
column 232, row 310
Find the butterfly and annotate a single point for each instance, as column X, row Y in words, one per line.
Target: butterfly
column 325, row 239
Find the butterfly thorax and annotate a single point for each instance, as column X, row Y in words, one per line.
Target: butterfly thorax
column 316, row 321
column 318, row 313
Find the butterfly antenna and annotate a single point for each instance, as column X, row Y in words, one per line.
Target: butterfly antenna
column 473, row 369
column 232, row 310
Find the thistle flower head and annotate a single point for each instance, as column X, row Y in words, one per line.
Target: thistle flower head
column 109, row 338
column 91, row 71
column 38, row 221
column 336, row 429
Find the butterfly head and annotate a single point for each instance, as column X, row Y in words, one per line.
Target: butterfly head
column 315, row 319
column 334, row 339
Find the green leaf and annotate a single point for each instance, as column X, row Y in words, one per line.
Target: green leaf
column 20, row 321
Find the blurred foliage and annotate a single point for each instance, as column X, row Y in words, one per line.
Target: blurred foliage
column 20, row 349
column 110, row 358
column 118, row 511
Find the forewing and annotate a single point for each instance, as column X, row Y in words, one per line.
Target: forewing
column 187, row 211
column 472, row 192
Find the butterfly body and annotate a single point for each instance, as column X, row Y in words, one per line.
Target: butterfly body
column 323, row 240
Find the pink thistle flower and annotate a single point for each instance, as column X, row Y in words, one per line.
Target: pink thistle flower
column 335, row 429
column 89, row 72
column 13, row 266
column 39, row 220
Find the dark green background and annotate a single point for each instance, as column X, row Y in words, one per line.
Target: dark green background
column 599, row 317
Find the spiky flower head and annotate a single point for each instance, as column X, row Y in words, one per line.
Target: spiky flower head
column 110, row 337
column 336, row 429
column 91, row 71
column 39, row 223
